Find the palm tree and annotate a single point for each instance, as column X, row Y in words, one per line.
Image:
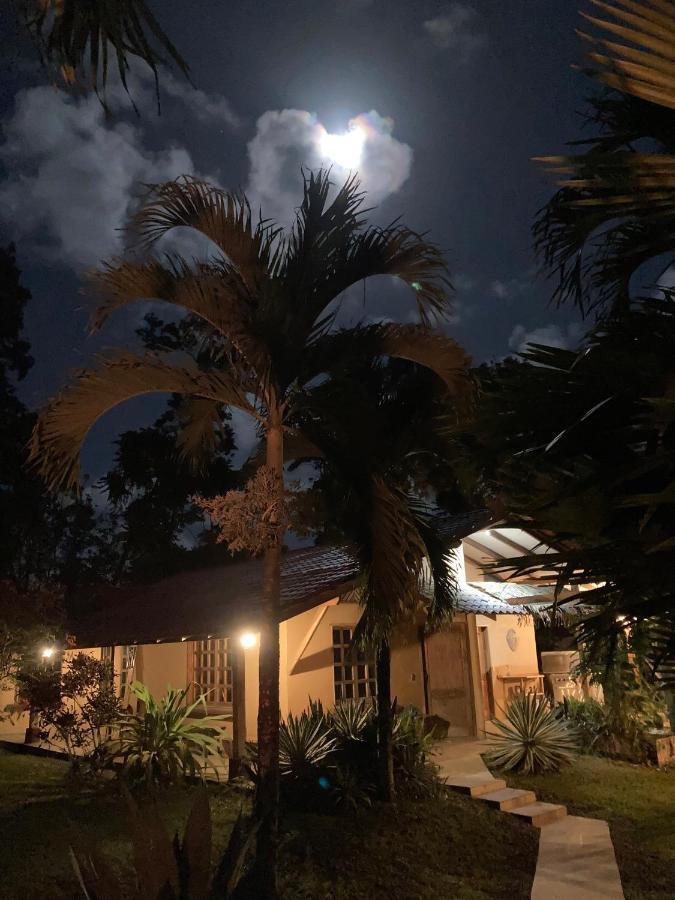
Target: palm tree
column 615, row 210
column 379, row 427
column 77, row 36
column 268, row 304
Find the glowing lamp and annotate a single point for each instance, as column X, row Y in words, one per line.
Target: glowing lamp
column 47, row 652
column 247, row 640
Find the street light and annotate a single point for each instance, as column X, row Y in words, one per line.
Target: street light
column 48, row 653
column 247, row 640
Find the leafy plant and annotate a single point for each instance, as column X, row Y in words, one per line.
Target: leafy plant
column 305, row 741
column 349, row 790
column 533, row 738
column 164, row 868
column 162, row 746
column 76, row 706
column 412, row 744
column 589, row 720
column 351, row 718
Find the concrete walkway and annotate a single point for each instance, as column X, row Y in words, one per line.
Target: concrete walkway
column 576, row 857
column 576, row 862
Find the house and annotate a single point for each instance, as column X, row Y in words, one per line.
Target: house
column 199, row 628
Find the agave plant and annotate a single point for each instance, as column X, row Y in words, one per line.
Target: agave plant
column 351, row 718
column 305, row 741
column 533, row 738
column 163, row 745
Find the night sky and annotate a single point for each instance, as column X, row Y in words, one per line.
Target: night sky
column 455, row 98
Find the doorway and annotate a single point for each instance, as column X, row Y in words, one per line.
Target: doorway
column 449, row 679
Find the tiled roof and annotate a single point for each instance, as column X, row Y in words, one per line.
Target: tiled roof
column 223, row 599
column 513, row 590
column 216, row 600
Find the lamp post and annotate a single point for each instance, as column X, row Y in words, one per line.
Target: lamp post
column 32, row 735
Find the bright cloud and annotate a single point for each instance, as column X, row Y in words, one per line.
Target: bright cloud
column 552, row 335
column 455, row 29
column 288, row 139
column 74, row 175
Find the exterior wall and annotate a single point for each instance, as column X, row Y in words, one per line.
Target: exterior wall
column 309, row 651
column 502, row 660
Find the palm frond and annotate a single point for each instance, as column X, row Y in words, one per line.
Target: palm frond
column 77, row 37
column 337, row 351
column 642, row 63
column 394, row 562
column 213, row 291
column 222, row 217
column 201, row 419
column 63, row 425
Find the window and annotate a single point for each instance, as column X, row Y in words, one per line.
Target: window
column 127, row 667
column 353, row 674
column 212, row 671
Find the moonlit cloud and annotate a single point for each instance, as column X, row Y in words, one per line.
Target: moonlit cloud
column 288, row 139
column 74, row 175
column 552, row 335
column 456, row 30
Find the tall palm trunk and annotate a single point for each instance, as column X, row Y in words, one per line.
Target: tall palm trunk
column 267, row 798
column 385, row 756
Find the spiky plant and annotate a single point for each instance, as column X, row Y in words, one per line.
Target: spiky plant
column 349, row 719
column 305, row 741
column 266, row 304
column 163, row 744
column 532, row 738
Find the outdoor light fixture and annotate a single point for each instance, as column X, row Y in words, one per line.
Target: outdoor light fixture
column 247, row 640
column 47, row 652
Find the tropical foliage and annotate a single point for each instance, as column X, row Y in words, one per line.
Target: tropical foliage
column 593, row 471
column 267, row 305
column 80, row 38
column 166, row 742
column 532, row 738
column 329, row 759
column 379, row 442
column 178, row 869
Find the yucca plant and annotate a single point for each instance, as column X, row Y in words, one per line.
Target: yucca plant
column 305, row 741
column 351, row 718
column 163, row 746
column 532, row 739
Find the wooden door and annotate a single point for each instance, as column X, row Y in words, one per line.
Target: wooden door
column 450, row 678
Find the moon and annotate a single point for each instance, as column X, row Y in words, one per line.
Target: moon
column 345, row 149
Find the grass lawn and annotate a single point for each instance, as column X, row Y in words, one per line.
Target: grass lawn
column 415, row 851
column 638, row 802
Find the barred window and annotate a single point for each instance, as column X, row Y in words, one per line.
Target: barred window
column 212, row 671
column 127, row 667
column 353, row 674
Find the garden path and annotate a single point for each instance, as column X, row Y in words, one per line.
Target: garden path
column 576, row 857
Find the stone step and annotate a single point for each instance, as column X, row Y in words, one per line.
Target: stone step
column 539, row 814
column 509, row 798
column 475, row 785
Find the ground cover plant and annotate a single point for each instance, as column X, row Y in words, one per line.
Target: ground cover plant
column 409, row 855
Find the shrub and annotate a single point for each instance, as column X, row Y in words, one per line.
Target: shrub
column 589, row 720
column 533, row 738
column 77, row 705
column 162, row 746
column 412, row 744
column 351, row 719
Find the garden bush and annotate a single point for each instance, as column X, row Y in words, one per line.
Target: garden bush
column 328, row 758
column 76, row 707
column 163, row 745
